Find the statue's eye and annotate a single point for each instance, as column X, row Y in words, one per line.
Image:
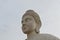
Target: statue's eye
column 28, row 19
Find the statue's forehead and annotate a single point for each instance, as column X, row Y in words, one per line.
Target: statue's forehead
column 27, row 16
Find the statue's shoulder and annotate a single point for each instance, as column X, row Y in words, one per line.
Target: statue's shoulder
column 49, row 37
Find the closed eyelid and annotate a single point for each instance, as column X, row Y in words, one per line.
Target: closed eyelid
column 25, row 20
column 28, row 19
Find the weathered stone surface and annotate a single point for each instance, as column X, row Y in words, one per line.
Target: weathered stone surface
column 31, row 24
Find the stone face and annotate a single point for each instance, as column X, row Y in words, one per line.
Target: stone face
column 31, row 24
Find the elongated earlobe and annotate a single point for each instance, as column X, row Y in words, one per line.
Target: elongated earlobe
column 37, row 29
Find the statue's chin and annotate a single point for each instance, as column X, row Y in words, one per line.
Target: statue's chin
column 26, row 32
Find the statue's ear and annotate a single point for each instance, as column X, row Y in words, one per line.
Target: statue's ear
column 37, row 29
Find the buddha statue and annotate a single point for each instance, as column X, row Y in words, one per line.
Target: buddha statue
column 31, row 23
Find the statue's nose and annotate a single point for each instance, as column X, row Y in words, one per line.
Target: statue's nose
column 24, row 24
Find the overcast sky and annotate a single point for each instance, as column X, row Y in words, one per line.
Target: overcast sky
column 11, row 12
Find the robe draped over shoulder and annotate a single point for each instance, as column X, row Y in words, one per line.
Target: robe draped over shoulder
column 46, row 37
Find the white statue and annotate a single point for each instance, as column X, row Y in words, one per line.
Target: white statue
column 31, row 24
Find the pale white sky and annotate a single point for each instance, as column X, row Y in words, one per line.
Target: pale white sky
column 11, row 12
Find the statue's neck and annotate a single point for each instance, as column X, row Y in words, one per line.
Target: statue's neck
column 31, row 35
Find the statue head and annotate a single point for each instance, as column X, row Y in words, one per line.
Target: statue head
column 31, row 22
